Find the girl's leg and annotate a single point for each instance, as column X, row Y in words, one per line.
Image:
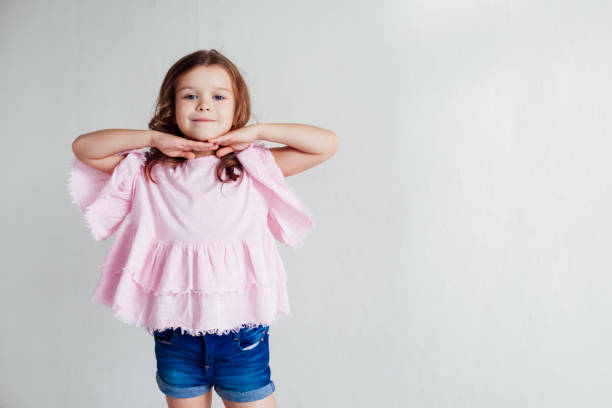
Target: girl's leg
column 201, row 401
column 268, row 402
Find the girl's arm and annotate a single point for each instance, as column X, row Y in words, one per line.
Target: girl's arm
column 107, row 142
column 99, row 149
column 306, row 145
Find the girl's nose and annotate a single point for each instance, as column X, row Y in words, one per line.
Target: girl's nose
column 203, row 106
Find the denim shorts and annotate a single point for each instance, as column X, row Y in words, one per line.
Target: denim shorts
column 236, row 363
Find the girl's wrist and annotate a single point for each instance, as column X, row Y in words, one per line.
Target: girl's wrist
column 258, row 130
column 152, row 135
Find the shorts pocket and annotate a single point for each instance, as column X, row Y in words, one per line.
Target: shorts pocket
column 163, row 336
column 248, row 339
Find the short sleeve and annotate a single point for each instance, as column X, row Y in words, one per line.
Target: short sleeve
column 105, row 199
column 289, row 220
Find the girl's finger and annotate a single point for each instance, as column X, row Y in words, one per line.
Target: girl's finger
column 197, row 145
column 202, row 147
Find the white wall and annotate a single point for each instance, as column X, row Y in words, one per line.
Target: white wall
column 462, row 250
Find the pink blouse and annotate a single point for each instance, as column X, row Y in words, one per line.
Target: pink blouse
column 190, row 252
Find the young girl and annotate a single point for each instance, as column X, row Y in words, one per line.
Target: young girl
column 194, row 261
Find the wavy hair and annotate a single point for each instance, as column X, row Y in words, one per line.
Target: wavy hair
column 164, row 119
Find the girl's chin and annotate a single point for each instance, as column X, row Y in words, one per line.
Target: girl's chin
column 199, row 138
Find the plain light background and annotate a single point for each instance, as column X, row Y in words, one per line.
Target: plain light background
column 461, row 255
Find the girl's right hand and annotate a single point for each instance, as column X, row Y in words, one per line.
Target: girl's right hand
column 176, row 146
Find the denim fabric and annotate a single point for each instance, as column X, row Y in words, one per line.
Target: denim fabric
column 236, row 364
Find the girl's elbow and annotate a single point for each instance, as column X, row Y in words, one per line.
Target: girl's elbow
column 75, row 144
column 335, row 142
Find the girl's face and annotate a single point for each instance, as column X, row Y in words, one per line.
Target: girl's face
column 204, row 92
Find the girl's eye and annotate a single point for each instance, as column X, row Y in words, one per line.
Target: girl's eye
column 188, row 97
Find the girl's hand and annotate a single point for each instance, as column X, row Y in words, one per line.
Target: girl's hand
column 176, row 146
column 235, row 140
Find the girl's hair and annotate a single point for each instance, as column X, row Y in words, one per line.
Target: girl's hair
column 164, row 119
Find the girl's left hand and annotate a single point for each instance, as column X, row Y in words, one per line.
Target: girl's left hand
column 235, row 140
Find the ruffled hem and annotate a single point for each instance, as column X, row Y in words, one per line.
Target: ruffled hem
column 119, row 313
column 193, row 313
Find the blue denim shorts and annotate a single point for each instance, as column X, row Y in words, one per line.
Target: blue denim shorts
column 236, row 363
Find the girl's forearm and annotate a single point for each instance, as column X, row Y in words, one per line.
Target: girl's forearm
column 306, row 138
column 107, row 142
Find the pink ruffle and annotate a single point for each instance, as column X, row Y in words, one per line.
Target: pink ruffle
column 202, row 288
column 288, row 218
column 175, row 268
column 104, row 199
column 196, row 314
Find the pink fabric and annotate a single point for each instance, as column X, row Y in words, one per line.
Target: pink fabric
column 190, row 252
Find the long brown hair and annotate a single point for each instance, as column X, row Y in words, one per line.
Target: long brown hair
column 164, row 119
